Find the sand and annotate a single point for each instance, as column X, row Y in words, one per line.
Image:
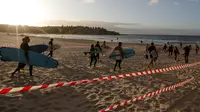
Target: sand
column 96, row 96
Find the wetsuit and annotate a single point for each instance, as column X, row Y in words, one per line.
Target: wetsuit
column 99, row 48
column 176, row 53
column 150, row 49
column 197, row 49
column 93, row 56
column 187, row 52
column 119, row 58
column 25, row 47
column 165, row 48
column 51, row 49
column 171, row 50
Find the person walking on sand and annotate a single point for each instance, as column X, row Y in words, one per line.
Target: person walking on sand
column 171, row 48
column 181, row 44
column 93, row 55
column 197, row 49
column 187, row 52
column 165, row 48
column 176, row 53
column 98, row 47
column 51, row 48
column 25, row 47
column 153, row 54
column 119, row 58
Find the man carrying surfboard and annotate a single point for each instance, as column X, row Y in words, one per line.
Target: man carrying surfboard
column 153, row 54
column 120, row 57
column 25, row 47
column 51, row 48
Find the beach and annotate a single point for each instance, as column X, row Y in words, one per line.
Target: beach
column 92, row 97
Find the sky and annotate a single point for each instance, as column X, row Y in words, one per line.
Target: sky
column 138, row 14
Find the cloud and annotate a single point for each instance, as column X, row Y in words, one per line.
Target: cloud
column 176, row 3
column 89, row 1
column 151, row 2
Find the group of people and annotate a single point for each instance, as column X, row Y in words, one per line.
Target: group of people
column 25, row 46
column 97, row 49
column 171, row 49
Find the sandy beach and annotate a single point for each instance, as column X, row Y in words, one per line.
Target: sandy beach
column 74, row 65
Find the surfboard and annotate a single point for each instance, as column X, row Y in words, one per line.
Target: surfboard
column 128, row 52
column 154, row 54
column 36, row 59
column 38, row 48
column 96, row 52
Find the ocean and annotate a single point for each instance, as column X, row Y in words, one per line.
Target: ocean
column 157, row 39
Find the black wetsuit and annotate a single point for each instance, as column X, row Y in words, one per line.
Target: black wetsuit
column 197, row 49
column 93, row 56
column 150, row 49
column 171, row 50
column 187, row 52
column 176, row 53
column 25, row 47
column 99, row 48
column 165, row 48
column 51, row 49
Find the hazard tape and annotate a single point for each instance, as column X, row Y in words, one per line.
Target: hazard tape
column 111, row 108
column 72, row 83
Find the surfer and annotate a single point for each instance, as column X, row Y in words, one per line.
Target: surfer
column 171, row 48
column 197, row 49
column 51, row 48
column 153, row 54
column 181, row 44
column 104, row 44
column 187, row 52
column 165, row 48
column 120, row 57
column 25, row 47
column 93, row 55
column 176, row 52
column 98, row 47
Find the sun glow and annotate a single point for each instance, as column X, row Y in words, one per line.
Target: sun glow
column 21, row 12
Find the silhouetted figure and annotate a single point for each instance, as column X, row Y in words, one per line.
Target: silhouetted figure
column 187, row 52
column 25, row 47
column 165, row 48
column 171, row 48
column 98, row 47
column 51, row 48
column 181, row 44
column 167, row 43
column 176, row 52
column 197, row 49
column 120, row 57
column 93, row 55
column 153, row 54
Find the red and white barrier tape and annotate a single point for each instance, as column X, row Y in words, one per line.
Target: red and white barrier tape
column 111, row 108
column 72, row 83
column 7, row 45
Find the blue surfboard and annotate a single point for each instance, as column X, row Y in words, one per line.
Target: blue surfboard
column 36, row 59
column 128, row 52
column 39, row 48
